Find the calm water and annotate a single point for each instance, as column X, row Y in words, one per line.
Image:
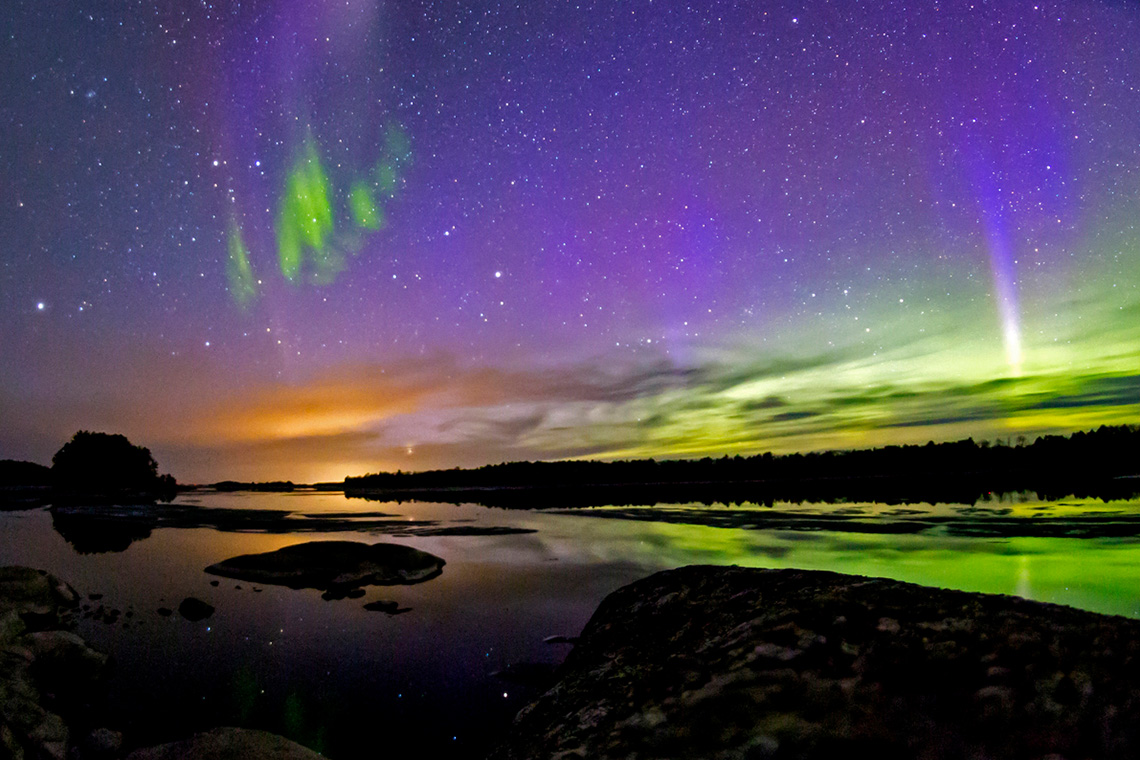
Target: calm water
column 350, row 682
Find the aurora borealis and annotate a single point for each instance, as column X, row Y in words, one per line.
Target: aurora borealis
column 296, row 239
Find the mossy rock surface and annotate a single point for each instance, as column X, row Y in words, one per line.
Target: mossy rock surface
column 725, row 662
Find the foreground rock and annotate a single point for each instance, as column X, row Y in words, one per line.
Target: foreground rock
column 228, row 744
column 732, row 663
column 336, row 566
column 47, row 673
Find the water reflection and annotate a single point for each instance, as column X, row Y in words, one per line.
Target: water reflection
column 94, row 532
column 898, row 489
column 112, row 528
column 1075, row 518
column 335, row 675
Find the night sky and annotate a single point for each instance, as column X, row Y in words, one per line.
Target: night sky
column 301, row 239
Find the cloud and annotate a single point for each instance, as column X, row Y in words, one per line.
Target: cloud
column 439, row 412
column 1097, row 391
column 768, row 402
column 794, row 416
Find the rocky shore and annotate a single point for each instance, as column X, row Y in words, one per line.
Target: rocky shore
column 702, row 662
column 725, row 662
column 49, row 679
column 48, row 675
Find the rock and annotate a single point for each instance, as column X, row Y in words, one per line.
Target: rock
column 560, row 640
column 33, row 597
column 532, row 674
column 62, row 657
column 340, row 592
column 50, row 737
column 333, row 566
column 165, row 611
column 46, row 673
column 228, row 744
column 194, row 609
column 102, row 744
column 706, row 662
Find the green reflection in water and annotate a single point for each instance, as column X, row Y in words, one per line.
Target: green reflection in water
column 244, row 691
column 302, row 725
column 1102, row 575
column 294, row 714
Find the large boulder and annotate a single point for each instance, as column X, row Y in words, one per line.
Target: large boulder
column 228, row 744
column 715, row 662
column 31, row 599
column 333, row 566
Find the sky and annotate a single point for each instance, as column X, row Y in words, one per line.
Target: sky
column 299, row 239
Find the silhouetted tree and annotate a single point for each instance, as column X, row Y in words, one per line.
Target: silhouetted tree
column 106, row 464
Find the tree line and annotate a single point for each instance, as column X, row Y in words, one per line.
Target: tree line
column 1093, row 463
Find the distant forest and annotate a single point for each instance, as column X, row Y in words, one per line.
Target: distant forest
column 1102, row 463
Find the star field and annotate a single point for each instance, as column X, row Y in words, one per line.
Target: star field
column 295, row 239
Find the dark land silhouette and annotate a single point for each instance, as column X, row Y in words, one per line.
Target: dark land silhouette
column 23, row 485
column 14, row 473
column 104, row 466
column 282, row 486
column 1102, row 463
column 91, row 468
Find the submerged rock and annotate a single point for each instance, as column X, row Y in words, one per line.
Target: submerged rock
column 228, row 744
column 194, row 609
column 706, row 662
column 333, row 566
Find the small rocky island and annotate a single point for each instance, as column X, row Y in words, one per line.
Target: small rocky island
column 335, row 567
column 726, row 662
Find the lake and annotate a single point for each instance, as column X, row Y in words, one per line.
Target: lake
column 351, row 682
